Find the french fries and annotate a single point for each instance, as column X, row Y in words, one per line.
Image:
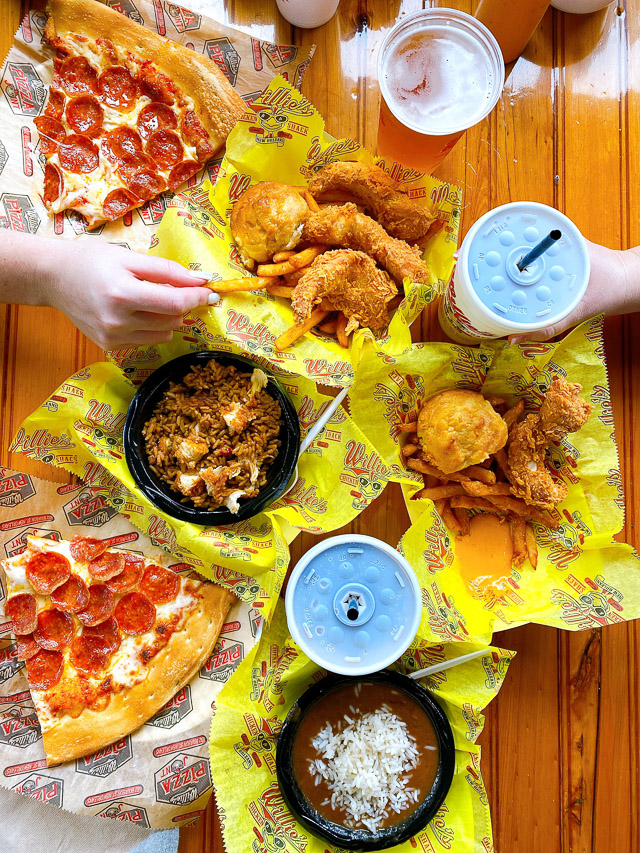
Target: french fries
column 282, row 256
column 295, row 332
column 236, row 285
column 280, row 290
column 341, row 333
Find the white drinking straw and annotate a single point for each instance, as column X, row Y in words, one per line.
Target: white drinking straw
column 322, row 420
column 448, row 664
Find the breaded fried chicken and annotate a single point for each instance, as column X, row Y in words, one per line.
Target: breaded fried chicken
column 381, row 196
column 352, row 282
column 266, row 219
column 346, row 227
column 562, row 411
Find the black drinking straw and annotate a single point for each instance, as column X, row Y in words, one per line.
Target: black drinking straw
column 540, row 249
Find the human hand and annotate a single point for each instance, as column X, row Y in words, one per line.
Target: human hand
column 614, row 288
column 118, row 297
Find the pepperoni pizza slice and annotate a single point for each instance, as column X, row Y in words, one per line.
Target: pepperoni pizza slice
column 129, row 115
column 108, row 638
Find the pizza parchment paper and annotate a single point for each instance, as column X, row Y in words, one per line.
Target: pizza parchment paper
column 80, row 428
column 249, row 713
column 248, row 63
column 282, row 138
column 584, row 578
column 157, row 777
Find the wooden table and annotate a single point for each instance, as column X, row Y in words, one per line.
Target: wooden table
column 562, row 740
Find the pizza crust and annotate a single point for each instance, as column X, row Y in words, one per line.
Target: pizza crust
column 173, row 666
column 217, row 104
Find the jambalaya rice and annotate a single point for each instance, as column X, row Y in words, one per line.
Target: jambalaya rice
column 213, row 436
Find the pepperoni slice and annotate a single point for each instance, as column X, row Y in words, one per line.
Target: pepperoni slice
column 55, row 104
column 182, row 172
column 21, row 609
column 71, row 596
column 123, row 143
column 160, row 585
column 55, row 629
column 117, row 87
column 165, row 148
column 53, row 183
column 100, row 607
column 146, row 184
column 107, row 565
column 108, row 632
column 117, row 203
column 85, row 115
column 135, row 613
column 45, row 669
column 51, row 133
column 27, row 647
column 156, row 117
column 46, row 571
column 155, row 85
column 78, row 154
column 130, row 577
column 76, row 74
column 85, row 548
column 89, row 654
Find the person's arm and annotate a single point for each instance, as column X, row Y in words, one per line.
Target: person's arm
column 113, row 295
column 614, row 288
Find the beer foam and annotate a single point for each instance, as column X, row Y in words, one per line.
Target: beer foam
column 438, row 81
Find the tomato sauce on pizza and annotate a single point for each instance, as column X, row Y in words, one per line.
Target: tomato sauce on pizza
column 89, row 621
column 117, row 130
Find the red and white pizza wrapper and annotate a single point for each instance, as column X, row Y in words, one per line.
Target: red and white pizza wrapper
column 159, row 776
column 248, row 63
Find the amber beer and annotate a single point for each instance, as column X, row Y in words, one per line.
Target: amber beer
column 512, row 23
column 440, row 73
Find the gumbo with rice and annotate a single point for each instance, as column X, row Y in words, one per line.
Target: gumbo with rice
column 365, row 756
column 213, row 437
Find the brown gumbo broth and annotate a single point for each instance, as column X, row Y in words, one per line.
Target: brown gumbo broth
column 364, row 697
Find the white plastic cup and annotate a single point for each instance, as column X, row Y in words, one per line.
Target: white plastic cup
column 307, row 13
column 488, row 297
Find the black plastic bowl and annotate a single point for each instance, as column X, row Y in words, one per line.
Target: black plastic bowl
column 158, row 492
column 362, row 839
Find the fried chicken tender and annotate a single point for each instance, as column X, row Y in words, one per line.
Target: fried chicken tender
column 459, row 428
column 352, row 282
column 382, row 197
column 562, row 411
column 346, row 227
column 268, row 218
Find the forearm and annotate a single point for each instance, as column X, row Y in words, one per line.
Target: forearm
column 26, row 266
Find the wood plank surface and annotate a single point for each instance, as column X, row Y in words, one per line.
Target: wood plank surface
column 561, row 745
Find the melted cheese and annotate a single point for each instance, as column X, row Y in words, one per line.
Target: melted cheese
column 126, row 667
column 85, row 193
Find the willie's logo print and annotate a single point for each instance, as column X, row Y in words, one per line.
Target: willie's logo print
column 174, row 711
column 106, row 761
column 19, row 726
column 46, row 789
column 15, row 489
column 23, row 89
column 182, row 780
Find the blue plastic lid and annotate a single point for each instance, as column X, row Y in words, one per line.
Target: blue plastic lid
column 551, row 286
column 353, row 604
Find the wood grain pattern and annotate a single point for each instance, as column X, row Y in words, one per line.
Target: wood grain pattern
column 561, row 742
